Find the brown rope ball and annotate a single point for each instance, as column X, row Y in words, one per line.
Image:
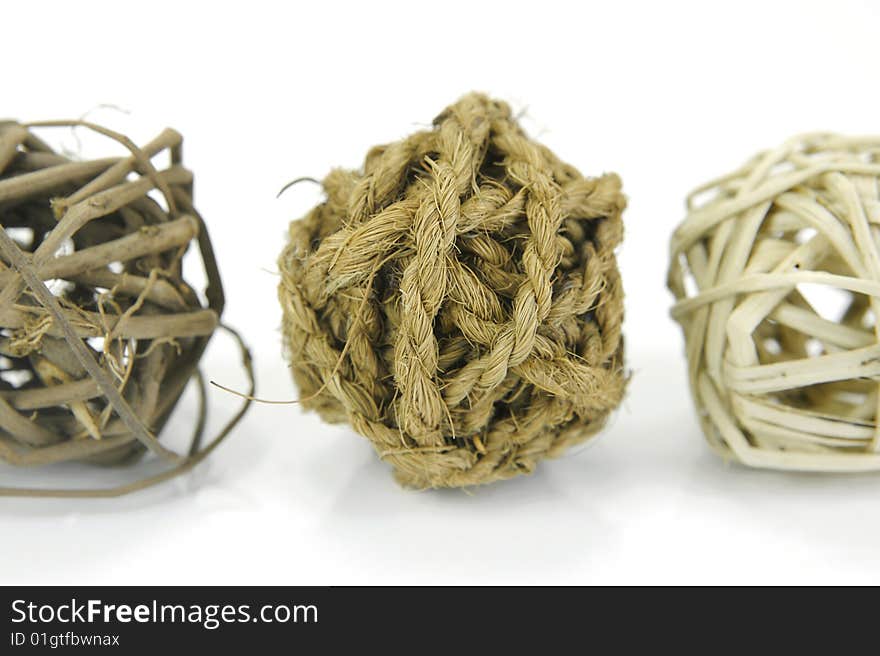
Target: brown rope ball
column 100, row 331
column 777, row 274
column 458, row 302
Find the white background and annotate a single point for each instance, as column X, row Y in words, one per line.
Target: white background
column 668, row 94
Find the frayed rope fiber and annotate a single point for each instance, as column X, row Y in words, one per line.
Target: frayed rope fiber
column 458, row 302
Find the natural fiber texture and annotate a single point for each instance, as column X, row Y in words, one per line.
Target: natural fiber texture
column 781, row 378
column 458, row 301
column 99, row 330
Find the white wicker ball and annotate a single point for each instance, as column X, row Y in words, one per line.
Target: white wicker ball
column 776, row 272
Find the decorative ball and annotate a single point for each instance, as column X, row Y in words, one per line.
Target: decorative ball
column 457, row 300
column 99, row 329
column 777, row 274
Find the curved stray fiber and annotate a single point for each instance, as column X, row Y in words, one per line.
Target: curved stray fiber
column 457, row 300
column 295, row 182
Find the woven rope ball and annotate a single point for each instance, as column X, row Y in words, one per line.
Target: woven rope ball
column 457, row 300
column 99, row 329
column 777, row 274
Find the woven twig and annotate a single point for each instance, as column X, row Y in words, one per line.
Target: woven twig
column 458, row 300
column 99, row 331
column 778, row 380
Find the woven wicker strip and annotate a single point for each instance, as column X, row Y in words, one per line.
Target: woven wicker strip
column 99, row 331
column 777, row 274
